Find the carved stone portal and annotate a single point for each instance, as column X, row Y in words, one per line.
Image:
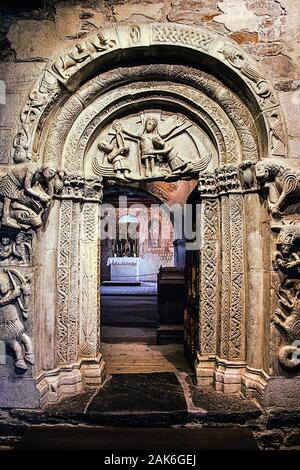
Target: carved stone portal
column 138, row 124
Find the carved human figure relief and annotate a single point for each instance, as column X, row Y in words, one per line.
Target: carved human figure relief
column 14, row 302
column 25, row 192
column 15, row 249
column 82, row 51
column 151, row 145
column 116, row 152
column 286, row 260
column 287, row 256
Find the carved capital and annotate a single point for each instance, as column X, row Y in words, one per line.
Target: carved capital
column 207, row 185
column 228, row 179
column 81, row 189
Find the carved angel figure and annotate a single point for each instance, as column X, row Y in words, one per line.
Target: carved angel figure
column 25, row 190
column 287, row 183
column 153, row 146
column 13, row 302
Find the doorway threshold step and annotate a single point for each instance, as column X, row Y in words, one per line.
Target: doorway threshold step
column 121, row 283
column 170, row 334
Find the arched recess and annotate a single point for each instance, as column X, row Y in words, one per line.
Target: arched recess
column 168, row 70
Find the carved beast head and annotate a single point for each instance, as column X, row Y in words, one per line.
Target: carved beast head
column 266, row 172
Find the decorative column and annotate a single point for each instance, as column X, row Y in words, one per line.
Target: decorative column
column 226, row 263
column 78, row 360
column 209, row 305
column 257, row 251
column 230, row 361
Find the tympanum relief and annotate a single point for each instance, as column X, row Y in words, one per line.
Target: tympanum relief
column 151, row 145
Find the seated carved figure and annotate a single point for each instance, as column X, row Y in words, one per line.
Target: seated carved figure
column 25, row 191
column 286, row 180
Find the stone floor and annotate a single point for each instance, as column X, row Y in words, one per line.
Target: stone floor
column 149, row 405
column 150, row 392
column 137, row 358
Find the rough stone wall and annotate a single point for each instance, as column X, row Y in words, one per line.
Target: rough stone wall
column 267, row 29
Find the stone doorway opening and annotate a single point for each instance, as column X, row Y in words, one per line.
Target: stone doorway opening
column 143, row 282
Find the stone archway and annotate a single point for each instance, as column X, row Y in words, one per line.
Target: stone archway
column 121, row 74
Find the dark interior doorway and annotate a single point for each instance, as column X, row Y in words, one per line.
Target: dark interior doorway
column 142, row 309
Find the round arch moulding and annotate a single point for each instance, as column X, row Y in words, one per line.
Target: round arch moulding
column 118, row 45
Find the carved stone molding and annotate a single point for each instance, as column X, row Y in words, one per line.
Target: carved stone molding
column 71, row 111
column 236, row 347
column 222, row 329
column 63, row 282
column 81, row 148
column 209, row 304
column 73, row 66
column 90, row 281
